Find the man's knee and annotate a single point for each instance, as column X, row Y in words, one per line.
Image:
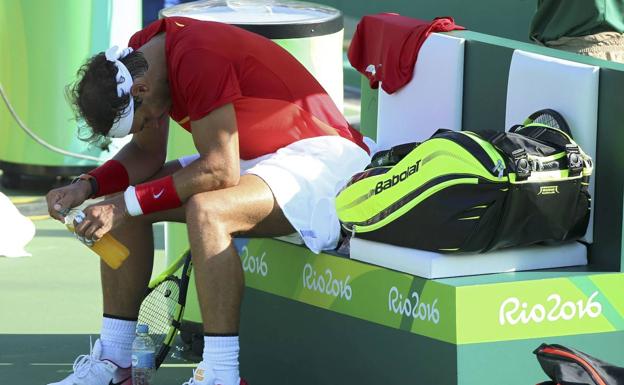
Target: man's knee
column 206, row 214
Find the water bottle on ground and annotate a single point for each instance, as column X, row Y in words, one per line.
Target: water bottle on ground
column 113, row 252
column 143, row 353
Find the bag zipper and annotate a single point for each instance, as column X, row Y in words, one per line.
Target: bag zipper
column 499, row 168
column 590, row 369
column 471, row 145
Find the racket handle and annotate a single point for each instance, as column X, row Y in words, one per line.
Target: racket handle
column 110, row 250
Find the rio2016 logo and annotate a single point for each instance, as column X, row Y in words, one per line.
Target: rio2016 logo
column 512, row 311
column 253, row 264
column 325, row 283
column 412, row 306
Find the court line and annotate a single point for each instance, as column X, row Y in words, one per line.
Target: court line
column 38, row 217
column 24, row 200
column 65, row 364
column 178, row 365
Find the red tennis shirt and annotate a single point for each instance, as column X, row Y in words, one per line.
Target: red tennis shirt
column 277, row 101
column 385, row 47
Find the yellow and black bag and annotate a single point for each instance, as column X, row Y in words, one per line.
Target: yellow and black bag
column 468, row 192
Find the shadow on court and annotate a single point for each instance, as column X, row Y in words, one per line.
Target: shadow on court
column 31, row 359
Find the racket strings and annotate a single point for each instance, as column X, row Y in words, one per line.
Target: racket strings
column 158, row 310
column 548, row 120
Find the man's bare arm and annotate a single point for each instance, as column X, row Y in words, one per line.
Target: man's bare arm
column 146, row 153
column 143, row 156
column 216, row 139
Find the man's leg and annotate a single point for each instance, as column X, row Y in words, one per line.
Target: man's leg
column 213, row 219
column 123, row 289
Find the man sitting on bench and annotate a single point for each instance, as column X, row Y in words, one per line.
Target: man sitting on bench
column 271, row 149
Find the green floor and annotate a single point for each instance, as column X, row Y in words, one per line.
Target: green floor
column 51, row 303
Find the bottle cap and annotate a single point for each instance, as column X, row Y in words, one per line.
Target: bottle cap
column 142, row 328
column 74, row 215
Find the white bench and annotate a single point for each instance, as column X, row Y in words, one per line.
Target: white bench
column 433, row 99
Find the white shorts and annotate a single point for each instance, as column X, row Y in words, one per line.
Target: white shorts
column 305, row 177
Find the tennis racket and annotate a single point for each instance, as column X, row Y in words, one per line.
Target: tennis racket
column 163, row 306
column 550, row 118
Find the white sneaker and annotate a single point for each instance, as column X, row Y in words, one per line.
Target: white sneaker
column 91, row 370
column 204, row 375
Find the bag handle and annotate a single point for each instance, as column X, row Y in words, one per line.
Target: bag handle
column 392, row 156
column 520, row 159
column 544, row 134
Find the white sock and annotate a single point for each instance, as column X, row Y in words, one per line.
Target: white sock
column 221, row 354
column 116, row 337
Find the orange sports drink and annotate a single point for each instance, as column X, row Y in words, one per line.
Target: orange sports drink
column 110, row 250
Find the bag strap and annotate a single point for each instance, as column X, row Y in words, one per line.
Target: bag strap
column 520, row 158
column 518, row 155
column 543, row 133
column 392, row 156
column 400, row 151
column 515, row 127
column 575, row 160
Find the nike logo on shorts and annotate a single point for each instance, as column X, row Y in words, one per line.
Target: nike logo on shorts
column 156, row 196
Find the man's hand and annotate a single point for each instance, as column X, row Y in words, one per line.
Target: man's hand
column 64, row 198
column 102, row 217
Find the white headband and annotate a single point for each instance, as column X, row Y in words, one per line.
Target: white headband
column 122, row 126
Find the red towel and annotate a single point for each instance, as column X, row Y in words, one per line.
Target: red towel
column 385, row 47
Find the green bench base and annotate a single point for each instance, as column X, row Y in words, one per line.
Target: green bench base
column 326, row 319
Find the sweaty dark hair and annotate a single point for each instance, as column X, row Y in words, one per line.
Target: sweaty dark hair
column 93, row 96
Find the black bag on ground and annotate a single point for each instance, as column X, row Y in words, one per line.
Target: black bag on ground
column 461, row 191
column 567, row 366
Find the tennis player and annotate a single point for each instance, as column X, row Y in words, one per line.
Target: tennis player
column 272, row 152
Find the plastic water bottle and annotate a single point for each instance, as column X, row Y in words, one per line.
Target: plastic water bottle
column 143, row 353
column 113, row 252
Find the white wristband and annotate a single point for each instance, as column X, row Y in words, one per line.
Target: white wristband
column 132, row 202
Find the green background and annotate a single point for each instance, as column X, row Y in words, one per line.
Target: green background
column 44, row 43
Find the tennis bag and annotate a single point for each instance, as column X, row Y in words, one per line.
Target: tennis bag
column 460, row 191
column 567, row 366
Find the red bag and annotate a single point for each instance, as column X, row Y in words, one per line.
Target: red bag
column 567, row 366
